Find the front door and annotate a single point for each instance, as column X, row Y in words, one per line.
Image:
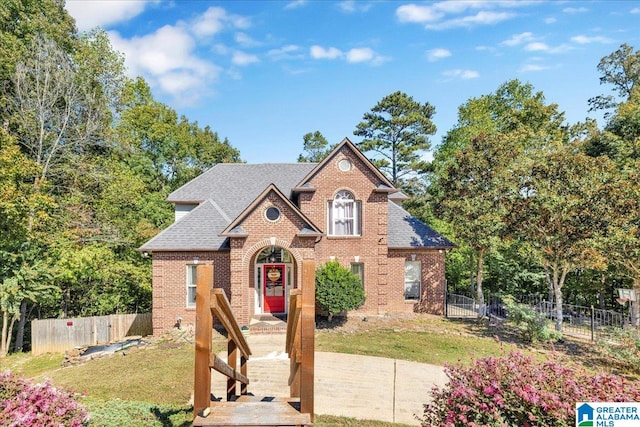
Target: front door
column 274, row 286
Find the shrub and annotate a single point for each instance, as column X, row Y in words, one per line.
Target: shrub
column 623, row 346
column 338, row 289
column 533, row 326
column 25, row 404
column 518, row 391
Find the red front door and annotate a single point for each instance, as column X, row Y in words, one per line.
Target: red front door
column 274, row 286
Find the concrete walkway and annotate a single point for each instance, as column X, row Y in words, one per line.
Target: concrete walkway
column 348, row 385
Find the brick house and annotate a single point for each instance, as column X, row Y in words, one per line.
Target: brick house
column 256, row 223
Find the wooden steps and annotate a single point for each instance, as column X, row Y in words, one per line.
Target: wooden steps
column 249, row 411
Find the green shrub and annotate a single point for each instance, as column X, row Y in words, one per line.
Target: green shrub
column 116, row 413
column 623, row 346
column 533, row 326
column 338, row 289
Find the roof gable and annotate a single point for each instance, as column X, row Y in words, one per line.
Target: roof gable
column 384, row 184
column 235, row 227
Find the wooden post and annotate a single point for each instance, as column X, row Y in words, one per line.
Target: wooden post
column 232, row 361
column 307, row 337
column 203, row 332
column 244, row 388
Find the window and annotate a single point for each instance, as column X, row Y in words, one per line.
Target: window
column 344, row 215
column 412, row 279
column 191, row 286
column 357, row 268
column 272, row 213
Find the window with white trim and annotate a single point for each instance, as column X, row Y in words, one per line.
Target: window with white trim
column 191, row 286
column 412, row 280
column 344, row 215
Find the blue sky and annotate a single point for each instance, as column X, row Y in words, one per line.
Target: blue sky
column 264, row 73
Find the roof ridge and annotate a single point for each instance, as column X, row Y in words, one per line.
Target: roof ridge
column 217, row 207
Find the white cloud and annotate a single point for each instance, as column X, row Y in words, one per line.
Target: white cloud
column 319, row 52
column 363, row 54
column 352, row 6
column 242, row 59
column 295, row 4
column 215, row 19
column 573, row 10
column 419, row 14
column 167, row 60
column 518, row 39
column 290, row 51
column 455, row 14
column 550, row 20
column 91, row 14
column 537, row 47
column 588, row 40
column 462, row 74
column 481, row 18
column 532, row 67
column 635, row 10
column 245, row 40
column 438, row 53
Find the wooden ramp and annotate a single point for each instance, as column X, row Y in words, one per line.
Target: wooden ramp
column 243, row 409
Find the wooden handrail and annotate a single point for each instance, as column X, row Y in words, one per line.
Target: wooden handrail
column 210, row 304
column 293, row 317
column 221, row 309
column 300, row 339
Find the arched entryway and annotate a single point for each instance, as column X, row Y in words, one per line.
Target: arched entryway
column 273, row 278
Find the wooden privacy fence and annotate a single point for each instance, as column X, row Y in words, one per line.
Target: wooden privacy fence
column 60, row 335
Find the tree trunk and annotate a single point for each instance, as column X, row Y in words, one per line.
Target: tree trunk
column 7, row 328
column 635, row 305
column 558, row 282
column 20, row 334
column 4, row 348
column 549, row 284
column 479, row 293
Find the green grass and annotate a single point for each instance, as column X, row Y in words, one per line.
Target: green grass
column 152, row 386
column 423, row 347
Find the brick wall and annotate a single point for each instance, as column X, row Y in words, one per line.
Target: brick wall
column 169, row 298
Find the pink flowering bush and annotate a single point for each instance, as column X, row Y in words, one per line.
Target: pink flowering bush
column 518, row 391
column 25, row 404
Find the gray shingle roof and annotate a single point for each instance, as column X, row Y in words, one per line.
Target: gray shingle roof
column 407, row 231
column 226, row 190
column 197, row 230
column 233, row 186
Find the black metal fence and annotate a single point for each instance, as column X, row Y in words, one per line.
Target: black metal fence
column 585, row 322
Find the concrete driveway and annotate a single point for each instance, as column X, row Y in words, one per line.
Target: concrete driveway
column 363, row 387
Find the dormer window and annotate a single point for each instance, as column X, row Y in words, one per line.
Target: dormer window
column 344, row 215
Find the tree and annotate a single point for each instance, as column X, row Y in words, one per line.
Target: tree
column 316, row 147
column 621, row 69
column 561, row 209
column 473, row 180
column 23, row 213
column 338, row 289
column 54, row 114
column 397, row 130
column 21, row 22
